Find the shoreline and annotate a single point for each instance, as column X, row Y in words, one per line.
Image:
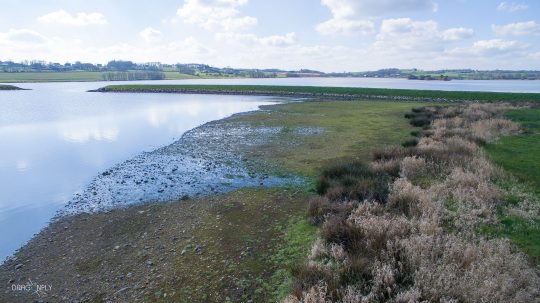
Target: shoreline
column 199, row 164
column 118, row 254
column 328, row 93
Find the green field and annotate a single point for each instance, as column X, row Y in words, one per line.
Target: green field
column 315, row 134
column 520, row 156
column 331, row 92
column 70, row 76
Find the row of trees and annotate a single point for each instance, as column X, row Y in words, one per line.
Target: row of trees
column 115, row 65
column 207, row 70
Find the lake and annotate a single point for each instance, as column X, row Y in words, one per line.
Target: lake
column 56, row 137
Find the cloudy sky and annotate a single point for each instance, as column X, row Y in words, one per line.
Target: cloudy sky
column 329, row 35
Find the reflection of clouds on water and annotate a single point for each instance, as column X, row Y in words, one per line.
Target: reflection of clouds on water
column 22, row 165
column 96, row 133
column 160, row 115
column 53, row 144
column 90, row 129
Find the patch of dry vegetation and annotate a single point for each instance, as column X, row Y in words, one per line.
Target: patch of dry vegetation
column 404, row 229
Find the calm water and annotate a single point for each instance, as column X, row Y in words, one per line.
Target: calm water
column 56, row 137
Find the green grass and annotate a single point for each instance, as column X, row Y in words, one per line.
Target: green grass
column 520, row 156
column 70, row 76
column 51, row 76
column 315, row 134
column 336, row 91
column 250, row 240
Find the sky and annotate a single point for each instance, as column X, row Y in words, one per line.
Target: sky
column 326, row 35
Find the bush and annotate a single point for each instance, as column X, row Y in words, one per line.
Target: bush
column 309, row 276
column 390, row 167
column 353, row 181
column 393, row 152
column 406, row 198
column 338, row 231
column 410, row 142
column 320, row 207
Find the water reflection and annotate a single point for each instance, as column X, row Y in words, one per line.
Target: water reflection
column 55, row 138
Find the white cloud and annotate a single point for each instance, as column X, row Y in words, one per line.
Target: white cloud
column 233, row 2
column 456, row 34
column 350, row 17
column 516, row 29
column 150, row 34
column 253, row 40
column 220, row 14
column 277, row 40
column 350, row 8
column 345, row 27
column 497, row 46
column 511, row 6
column 79, row 19
column 22, row 37
column 402, row 34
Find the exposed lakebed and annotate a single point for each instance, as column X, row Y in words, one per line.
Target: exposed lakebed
column 207, row 160
column 56, row 138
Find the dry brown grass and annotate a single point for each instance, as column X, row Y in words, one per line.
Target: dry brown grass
column 420, row 244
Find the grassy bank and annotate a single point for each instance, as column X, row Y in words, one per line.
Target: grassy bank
column 405, row 227
column 314, row 134
column 329, row 92
column 520, row 156
column 233, row 247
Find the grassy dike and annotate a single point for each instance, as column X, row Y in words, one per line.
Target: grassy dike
column 333, row 93
column 237, row 247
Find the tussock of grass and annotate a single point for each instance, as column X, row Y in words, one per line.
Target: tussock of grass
column 353, row 181
column 421, row 243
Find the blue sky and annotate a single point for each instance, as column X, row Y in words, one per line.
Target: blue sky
column 329, row 35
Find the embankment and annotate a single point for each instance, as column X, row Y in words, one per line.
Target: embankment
column 328, row 93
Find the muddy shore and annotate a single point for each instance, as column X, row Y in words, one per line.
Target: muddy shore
column 206, row 160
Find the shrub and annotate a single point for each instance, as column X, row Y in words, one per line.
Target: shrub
column 309, row 276
column 353, row 181
column 489, row 129
column 320, row 207
column 390, row 167
column 338, row 231
column 407, row 199
column 410, row 167
column 393, row 152
column 410, row 142
column 420, row 121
